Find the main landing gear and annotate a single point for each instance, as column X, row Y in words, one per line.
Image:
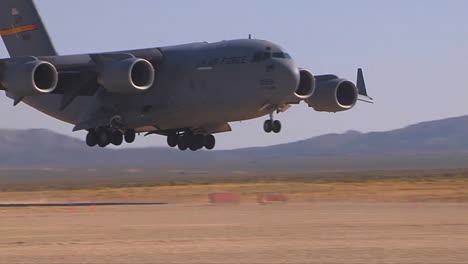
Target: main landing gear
column 271, row 125
column 189, row 141
column 105, row 136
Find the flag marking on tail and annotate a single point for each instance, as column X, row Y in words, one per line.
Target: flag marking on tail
column 17, row 30
column 14, row 12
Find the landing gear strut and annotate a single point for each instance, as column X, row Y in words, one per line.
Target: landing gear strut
column 271, row 125
column 189, row 141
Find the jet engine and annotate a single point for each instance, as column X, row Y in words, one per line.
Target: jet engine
column 333, row 95
column 306, row 84
column 127, row 76
column 30, row 78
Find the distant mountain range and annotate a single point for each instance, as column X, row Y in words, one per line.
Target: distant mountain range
column 434, row 144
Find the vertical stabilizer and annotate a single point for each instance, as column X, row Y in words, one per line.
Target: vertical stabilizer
column 22, row 29
column 361, row 86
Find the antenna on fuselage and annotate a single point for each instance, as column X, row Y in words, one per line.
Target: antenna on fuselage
column 250, row 36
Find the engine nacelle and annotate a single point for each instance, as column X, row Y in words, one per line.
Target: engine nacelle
column 334, row 95
column 127, row 76
column 30, row 78
column 306, row 84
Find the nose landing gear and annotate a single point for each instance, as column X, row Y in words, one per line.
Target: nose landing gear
column 272, row 125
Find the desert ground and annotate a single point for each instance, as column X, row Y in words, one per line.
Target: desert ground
column 362, row 217
column 244, row 233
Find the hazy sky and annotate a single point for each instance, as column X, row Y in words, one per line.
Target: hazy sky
column 414, row 54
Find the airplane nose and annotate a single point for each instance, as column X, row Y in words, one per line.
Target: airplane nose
column 290, row 76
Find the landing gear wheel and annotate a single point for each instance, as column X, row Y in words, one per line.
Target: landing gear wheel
column 210, row 142
column 172, row 140
column 194, row 142
column 183, row 143
column 193, row 147
column 268, row 126
column 103, row 138
column 276, row 126
column 91, row 139
column 117, row 138
column 199, row 141
column 130, row 136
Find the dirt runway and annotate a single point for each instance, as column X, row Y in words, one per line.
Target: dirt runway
column 248, row 233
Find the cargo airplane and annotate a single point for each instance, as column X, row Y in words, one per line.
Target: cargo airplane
column 186, row 92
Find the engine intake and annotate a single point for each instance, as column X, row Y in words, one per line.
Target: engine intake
column 127, row 76
column 334, row 96
column 30, row 78
column 306, row 84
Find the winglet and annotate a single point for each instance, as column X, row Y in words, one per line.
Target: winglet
column 361, row 85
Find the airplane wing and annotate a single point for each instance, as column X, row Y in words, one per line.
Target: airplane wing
column 76, row 75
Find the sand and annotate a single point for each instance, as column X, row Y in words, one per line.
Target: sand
column 247, row 233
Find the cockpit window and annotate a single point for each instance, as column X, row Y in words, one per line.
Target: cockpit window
column 261, row 56
column 281, row 55
column 278, row 55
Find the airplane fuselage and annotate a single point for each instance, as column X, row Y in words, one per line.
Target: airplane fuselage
column 186, row 92
column 196, row 84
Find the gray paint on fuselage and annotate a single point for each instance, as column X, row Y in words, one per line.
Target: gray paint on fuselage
column 196, row 84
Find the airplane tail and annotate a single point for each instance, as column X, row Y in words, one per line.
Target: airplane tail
column 361, row 85
column 22, row 29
